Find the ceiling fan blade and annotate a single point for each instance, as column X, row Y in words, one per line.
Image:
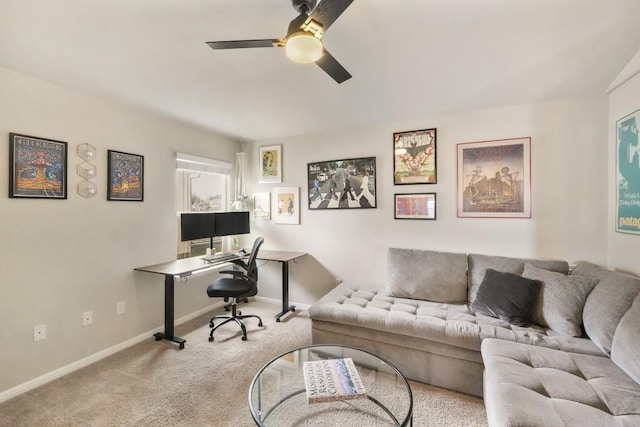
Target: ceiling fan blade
column 327, row 11
column 238, row 44
column 332, row 67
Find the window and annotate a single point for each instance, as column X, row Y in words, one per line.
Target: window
column 202, row 185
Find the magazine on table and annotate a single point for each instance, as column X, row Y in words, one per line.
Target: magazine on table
column 332, row 379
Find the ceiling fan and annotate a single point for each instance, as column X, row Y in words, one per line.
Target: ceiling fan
column 303, row 42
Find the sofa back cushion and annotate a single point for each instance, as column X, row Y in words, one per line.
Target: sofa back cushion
column 478, row 265
column 507, row 296
column 607, row 303
column 561, row 300
column 427, row 275
column 625, row 350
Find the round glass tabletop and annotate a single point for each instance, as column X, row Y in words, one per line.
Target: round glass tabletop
column 278, row 395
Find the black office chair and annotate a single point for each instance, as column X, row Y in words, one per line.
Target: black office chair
column 241, row 285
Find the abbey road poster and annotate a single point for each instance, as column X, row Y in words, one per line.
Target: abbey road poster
column 342, row 184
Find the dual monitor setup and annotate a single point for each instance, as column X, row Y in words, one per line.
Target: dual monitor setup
column 207, row 225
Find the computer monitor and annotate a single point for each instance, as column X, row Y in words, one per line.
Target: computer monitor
column 232, row 223
column 197, row 225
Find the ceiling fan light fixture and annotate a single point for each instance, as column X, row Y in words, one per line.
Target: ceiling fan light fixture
column 304, row 47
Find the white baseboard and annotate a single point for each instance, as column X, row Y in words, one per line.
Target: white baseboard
column 60, row 372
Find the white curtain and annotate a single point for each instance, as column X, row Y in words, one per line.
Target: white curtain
column 240, row 196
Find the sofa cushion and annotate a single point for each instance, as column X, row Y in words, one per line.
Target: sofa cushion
column 478, row 265
column 507, row 296
column 607, row 302
column 561, row 300
column 536, row 386
column 427, row 275
column 452, row 324
column 625, row 351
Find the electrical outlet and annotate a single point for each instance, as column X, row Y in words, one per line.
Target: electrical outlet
column 120, row 307
column 39, row 332
column 87, row 318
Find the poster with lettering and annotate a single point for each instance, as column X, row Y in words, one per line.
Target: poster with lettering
column 414, row 157
column 628, row 174
column 38, row 167
column 494, row 178
column 125, row 176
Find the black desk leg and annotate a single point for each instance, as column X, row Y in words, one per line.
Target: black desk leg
column 285, row 292
column 168, row 313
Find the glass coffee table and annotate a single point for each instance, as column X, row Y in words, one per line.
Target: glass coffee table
column 277, row 396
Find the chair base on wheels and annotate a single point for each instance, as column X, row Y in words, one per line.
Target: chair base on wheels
column 236, row 316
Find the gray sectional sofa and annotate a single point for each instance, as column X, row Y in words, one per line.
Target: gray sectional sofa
column 562, row 349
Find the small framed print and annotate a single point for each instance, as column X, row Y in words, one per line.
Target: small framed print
column 125, row 174
column 286, row 205
column 270, row 164
column 415, row 206
column 414, row 157
column 37, row 167
column 262, row 206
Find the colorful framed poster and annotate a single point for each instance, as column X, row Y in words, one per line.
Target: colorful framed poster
column 494, row 178
column 270, row 164
column 415, row 206
column 342, row 184
column 414, row 157
column 628, row 174
column 262, row 206
column 125, row 174
column 37, row 167
column 286, row 205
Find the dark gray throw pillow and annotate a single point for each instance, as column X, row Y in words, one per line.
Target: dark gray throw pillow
column 507, row 296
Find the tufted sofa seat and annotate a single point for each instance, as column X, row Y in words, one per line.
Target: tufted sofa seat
column 535, row 386
column 406, row 330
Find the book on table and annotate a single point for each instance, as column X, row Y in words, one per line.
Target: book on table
column 332, row 379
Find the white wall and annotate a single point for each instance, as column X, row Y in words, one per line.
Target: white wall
column 623, row 249
column 63, row 257
column 569, row 192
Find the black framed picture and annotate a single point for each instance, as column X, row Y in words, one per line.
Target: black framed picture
column 342, row 184
column 414, row 157
column 415, row 206
column 37, row 167
column 125, row 174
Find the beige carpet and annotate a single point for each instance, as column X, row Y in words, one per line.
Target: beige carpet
column 206, row 384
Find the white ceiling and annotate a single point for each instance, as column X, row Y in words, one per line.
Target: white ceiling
column 408, row 58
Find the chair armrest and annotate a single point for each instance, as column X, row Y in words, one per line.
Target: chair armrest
column 240, row 263
column 233, row 272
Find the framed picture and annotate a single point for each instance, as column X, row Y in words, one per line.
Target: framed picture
column 628, row 174
column 494, row 178
column 262, row 206
column 37, row 167
column 270, row 164
column 414, row 157
column 415, row 206
column 125, row 173
column 342, row 184
column 286, row 205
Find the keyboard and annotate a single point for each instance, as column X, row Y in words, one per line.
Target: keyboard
column 225, row 256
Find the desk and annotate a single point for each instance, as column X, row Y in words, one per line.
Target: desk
column 181, row 268
column 188, row 266
column 284, row 258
